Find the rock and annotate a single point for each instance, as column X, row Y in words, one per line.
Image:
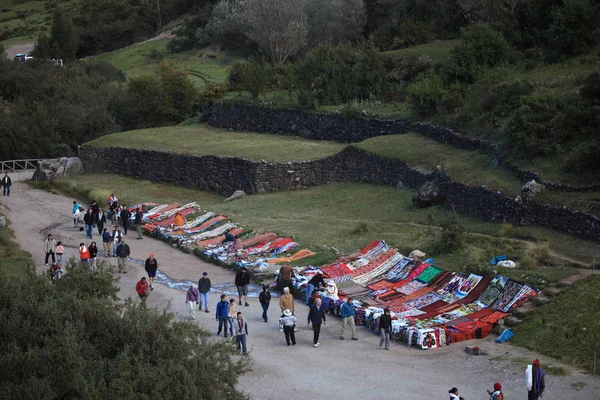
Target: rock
column 2, row 220
column 530, row 190
column 430, row 194
column 399, row 185
column 238, row 194
column 473, row 350
column 53, row 168
column 511, row 321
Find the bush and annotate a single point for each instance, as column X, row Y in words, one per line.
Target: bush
column 425, row 94
column 253, row 76
column 215, row 91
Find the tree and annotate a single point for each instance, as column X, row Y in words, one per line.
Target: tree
column 42, row 48
column 64, row 41
column 72, row 339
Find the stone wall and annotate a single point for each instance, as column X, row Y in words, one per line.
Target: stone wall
column 337, row 128
column 227, row 174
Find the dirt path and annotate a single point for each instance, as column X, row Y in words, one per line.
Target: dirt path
column 23, row 48
column 353, row 369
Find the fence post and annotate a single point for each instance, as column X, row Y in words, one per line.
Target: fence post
column 595, row 363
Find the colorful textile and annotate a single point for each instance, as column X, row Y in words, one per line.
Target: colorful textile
column 429, row 274
column 493, row 291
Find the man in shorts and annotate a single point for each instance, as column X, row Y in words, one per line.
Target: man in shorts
column 242, row 279
column 151, row 266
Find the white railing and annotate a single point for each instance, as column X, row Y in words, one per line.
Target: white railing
column 19, row 165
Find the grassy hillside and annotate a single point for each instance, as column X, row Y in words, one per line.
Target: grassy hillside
column 567, row 328
column 439, row 50
column 15, row 262
column 203, row 139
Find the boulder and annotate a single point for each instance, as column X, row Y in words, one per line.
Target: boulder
column 238, row 194
column 53, row 168
column 2, row 220
column 430, row 194
column 530, row 190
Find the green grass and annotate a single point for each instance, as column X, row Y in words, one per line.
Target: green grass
column 381, row 110
column 203, row 66
column 14, row 262
column 347, row 216
column 439, row 50
column 568, row 328
column 203, row 140
column 469, row 167
column 28, row 18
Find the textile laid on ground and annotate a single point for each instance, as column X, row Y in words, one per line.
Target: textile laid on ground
column 431, row 307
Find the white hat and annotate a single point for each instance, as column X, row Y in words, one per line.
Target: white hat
column 320, row 272
column 287, row 313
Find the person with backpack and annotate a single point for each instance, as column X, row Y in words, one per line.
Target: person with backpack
column 142, row 289
column 221, row 315
column 50, row 248
column 316, row 316
column 192, row 299
column 100, row 220
column 122, row 254
column 6, row 184
column 204, row 286
column 139, row 217
column 106, row 242
column 125, row 216
column 497, row 393
column 89, row 219
column 241, row 332
column 151, row 266
column 288, row 321
column 265, row 298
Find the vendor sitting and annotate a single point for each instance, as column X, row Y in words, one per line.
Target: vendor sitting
column 178, row 220
column 228, row 238
column 313, row 284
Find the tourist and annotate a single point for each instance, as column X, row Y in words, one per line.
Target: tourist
column 204, row 286
column 151, row 265
column 89, row 221
column 347, row 314
column 139, row 216
column 313, row 284
column 497, row 393
column 231, row 314
column 84, row 253
column 6, row 184
column 117, row 236
column 50, row 248
column 95, row 209
column 100, row 220
column 106, row 241
column 454, row 394
column 142, row 289
column 385, row 329
column 125, row 216
column 192, row 298
column 265, row 298
column 76, row 207
column 178, row 221
column 241, row 331
column 535, row 380
column 221, row 315
column 93, row 254
column 112, row 199
column 285, row 275
column 123, row 252
column 286, row 301
column 242, row 279
column 289, row 325
column 60, row 251
column 316, row 315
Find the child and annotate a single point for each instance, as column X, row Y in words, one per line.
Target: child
column 60, row 250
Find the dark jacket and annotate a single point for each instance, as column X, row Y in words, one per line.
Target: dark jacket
column 241, row 278
column 106, row 237
column 204, row 285
column 125, row 215
column 101, row 219
column 151, row 266
column 116, row 232
column 93, row 251
column 89, row 219
column 316, row 315
column 347, row 310
column 385, row 322
column 138, row 217
column 123, row 250
column 316, row 280
column 264, row 297
column 6, row 181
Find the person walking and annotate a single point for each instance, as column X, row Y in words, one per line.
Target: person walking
column 289, row 324
column 100, row 220
column 151, row 265
column 385, row 329
column 192, row 298
column 117, row 236
column 242, row 279
column 6, row 184
column 221, row 315
column 316, row 316
column 285, row 275
column 204, row 286
column 347, row 314
column 231, row 314
column 84, row 253
column 286, row 301
column 142, row 289
column 139, row 217
column 496, row 394
column 60, row 251
column 123, row 252
column 50, row 248
column 241, row 331
column 89, row 220
column 106, row 242
column 313, row 284
column 265, row 298
column 76, row 208
column 125, row 216
column 454, row 394
column 536, row 382
column 93, row 254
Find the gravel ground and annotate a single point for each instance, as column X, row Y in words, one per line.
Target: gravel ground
column 353, row 369
column 24, row 48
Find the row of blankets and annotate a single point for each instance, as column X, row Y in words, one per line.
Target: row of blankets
column 431, row 307
column 213, row 233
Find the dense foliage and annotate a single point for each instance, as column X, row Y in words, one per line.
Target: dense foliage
column 72, row 339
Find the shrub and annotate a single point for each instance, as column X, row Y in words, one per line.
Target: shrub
column 253, row 76
column 215, row 91
column 425, row 94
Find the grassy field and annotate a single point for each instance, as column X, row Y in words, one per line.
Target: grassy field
column 567, row 328
column 15, row 262
column 439, row 50
column 204, row 139
column 203, row 66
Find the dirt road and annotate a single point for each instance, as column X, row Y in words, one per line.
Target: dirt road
column 346, row 369
column 24, row 48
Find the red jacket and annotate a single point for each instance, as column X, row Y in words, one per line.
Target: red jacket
column 142, row 287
